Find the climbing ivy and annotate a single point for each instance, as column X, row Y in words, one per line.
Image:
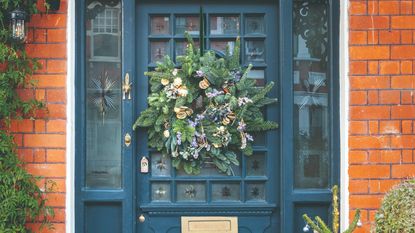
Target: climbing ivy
column 21, row 200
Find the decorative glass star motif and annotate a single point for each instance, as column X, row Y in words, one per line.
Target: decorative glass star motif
column 255, row 165
column 255, row 192
column 190, row 191
column 226, row 192
column 161, row 165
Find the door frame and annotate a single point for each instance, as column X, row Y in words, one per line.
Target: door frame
column 287, row 209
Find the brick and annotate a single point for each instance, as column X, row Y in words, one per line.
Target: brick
column 55, row 155
column 357, row 157
column 57, row 227
column 369, row 82
column 368, row 22
column 381, row 186
column 369, row 142
column 407, row 127
column 358, row 97
column 389, row 67
column 21, row 126
column 373, row 97
column 46, row 169
column 390, row 156
column 403, row 82
column 55, row 199
column 388, row 7
column 403, row 22
column 357, row 8
column 403, row 112
column 56, row 111
column 403, row 141
column 403, row 52
column 45, row 81
column 39, row 36
column 369, row 52
column 389, row 97
column 373, row 127
column 56, row 35
column 406, row 97
column 389, row 127
column 373, row 37
column 406, row 7
column 369, row 112
column 39, row 156
column 358, row 67
column 406, row 67
column 48, row 21
column 56, row 126
column 407, row 156
column 358, row 127
column 56, row 66
column 46, row 50
column 40, row 94
column 365, row 201
column 40, row 126
column 358, row 186
column 389, row 37
column 372, row 7
column 358, row 37
column 406, row 37
column 44, row 140
column 56, row 96
column 373, row 67
column 403, row 170
column 56, row 185
column 369, row 171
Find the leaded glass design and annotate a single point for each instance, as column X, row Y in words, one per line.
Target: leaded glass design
column 255, row 191
column 224, row 25
column 256, row 165
column 226, row 192
column 160, row 25
column 191, row 192
column 190, row 24
column 160, row 191
column 255, row 24
column 159, row 49
column 255, row 51
column 311, row 82
column 160, row 165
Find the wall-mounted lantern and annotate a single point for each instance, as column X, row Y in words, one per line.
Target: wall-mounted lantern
column 54, row 4
column 18, row 25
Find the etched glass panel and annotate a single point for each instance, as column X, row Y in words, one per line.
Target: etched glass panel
column 254, row 51
column 255, row 191
column 159, row 25
column 160, row 191
column 256, row 164
column 311, row 94
column 103, row 98
column 224, row 25
column 254, row 25
column 226, row 192
column 191, row 192
column 158, row 50
column 188, row 24
column 221, row 46
column 160, row 165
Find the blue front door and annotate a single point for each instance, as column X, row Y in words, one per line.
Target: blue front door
column 165, row 195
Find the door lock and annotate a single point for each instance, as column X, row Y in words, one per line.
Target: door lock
column 127, row 139
column 142, row 218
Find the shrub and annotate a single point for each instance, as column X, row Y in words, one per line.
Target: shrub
column 397, row 212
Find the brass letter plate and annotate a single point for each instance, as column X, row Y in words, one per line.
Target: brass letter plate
column 211, row 224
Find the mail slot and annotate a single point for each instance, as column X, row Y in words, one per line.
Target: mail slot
column 210, row 224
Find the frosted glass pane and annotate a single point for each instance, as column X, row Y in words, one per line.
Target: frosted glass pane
column 160, row 191
column 160, row 165
column 191, row 191
column 160, row 25
column 226, row 192
column 188, row 24
column 256, row 165
column 311, row 82
column 224, row 25
column 255, row 191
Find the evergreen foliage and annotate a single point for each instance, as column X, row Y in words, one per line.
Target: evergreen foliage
column 21, row 200
column 204, row 111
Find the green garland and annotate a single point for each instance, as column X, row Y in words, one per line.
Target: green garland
column 205, row 111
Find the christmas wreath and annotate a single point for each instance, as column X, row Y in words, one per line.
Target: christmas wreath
column 205, row 111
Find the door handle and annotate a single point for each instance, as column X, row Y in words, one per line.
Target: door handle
column 141, row 218
column 126, row 87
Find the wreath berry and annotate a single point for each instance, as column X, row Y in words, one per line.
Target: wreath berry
column 205, row 111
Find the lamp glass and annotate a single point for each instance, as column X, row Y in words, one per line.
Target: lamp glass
column 18, row 25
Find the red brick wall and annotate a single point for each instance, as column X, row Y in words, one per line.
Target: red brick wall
column 42, row 142
column 382, row 100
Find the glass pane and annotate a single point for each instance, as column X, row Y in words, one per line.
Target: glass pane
column 255, row 191
column 256, row 164
column 311, row 94
column 160, row 166
column 258, row 75
column 254, row 51
column 180, row 48
column 254, row 25
column 187, row 23
column 191, row 191
column 159, row 49
column 221, row 46
column 160, row 191
column 226, row 192
column 159, row 25
column 103, row 99
column 224, row 25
